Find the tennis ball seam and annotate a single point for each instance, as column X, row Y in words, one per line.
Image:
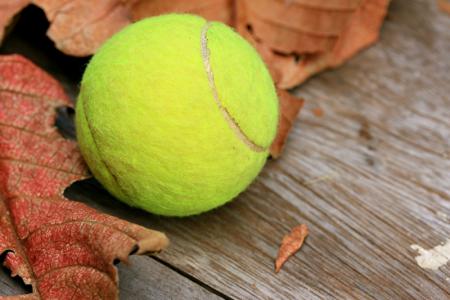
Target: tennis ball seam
column 232, row 123
column 108, row 168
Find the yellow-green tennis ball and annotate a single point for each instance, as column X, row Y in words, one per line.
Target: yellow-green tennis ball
column 176, row 114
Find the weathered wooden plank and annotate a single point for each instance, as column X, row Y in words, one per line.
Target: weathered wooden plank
column 9, row 286
column 146, row 278
column 381, row 149
column 370, row 178
column 143, row 278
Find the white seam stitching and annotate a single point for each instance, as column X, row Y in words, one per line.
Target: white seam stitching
column 226, row 114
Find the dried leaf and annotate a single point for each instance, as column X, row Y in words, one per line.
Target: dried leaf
column 291, row 243
column 64, row 249
column 300, row 38
column 318, row 112
column 289, row 109
column 217, row 10
column 444, row 5
column 8, row 9
column 296, row 26
column 297, row 38
column 78, row 29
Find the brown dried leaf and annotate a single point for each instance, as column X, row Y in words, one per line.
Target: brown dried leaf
column 300, row 38
column 78, row 29
column 75, row 27
column 217, row 10
column 297, row 38
column 8, row 9
column 289, row 109
column 325, row 33
column 444, row 6
column 296, row 26
column 318, row 112
column 291, row 243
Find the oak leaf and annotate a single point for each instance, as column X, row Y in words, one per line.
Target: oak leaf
column 64, row 249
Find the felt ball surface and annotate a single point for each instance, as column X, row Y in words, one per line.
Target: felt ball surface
column 176, row 114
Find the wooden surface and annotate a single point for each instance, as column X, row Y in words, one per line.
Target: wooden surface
column 370, row 178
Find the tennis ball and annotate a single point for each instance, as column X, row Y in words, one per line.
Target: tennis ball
column 176, row 114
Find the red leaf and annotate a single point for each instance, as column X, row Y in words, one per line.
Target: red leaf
column 291, row 243
column 64, row 249
column 289, row 109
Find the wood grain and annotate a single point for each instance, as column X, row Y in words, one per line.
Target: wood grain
column 370, row 178
column 9, row 286
column 143, row 278
column 146, row 278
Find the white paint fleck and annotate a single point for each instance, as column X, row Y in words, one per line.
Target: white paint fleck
column 443, row 216
column 433, row 258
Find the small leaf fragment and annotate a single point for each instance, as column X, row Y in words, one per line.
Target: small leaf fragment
column 290, row 244
column 444, row 5
column 318, row 112
column 289, row 109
